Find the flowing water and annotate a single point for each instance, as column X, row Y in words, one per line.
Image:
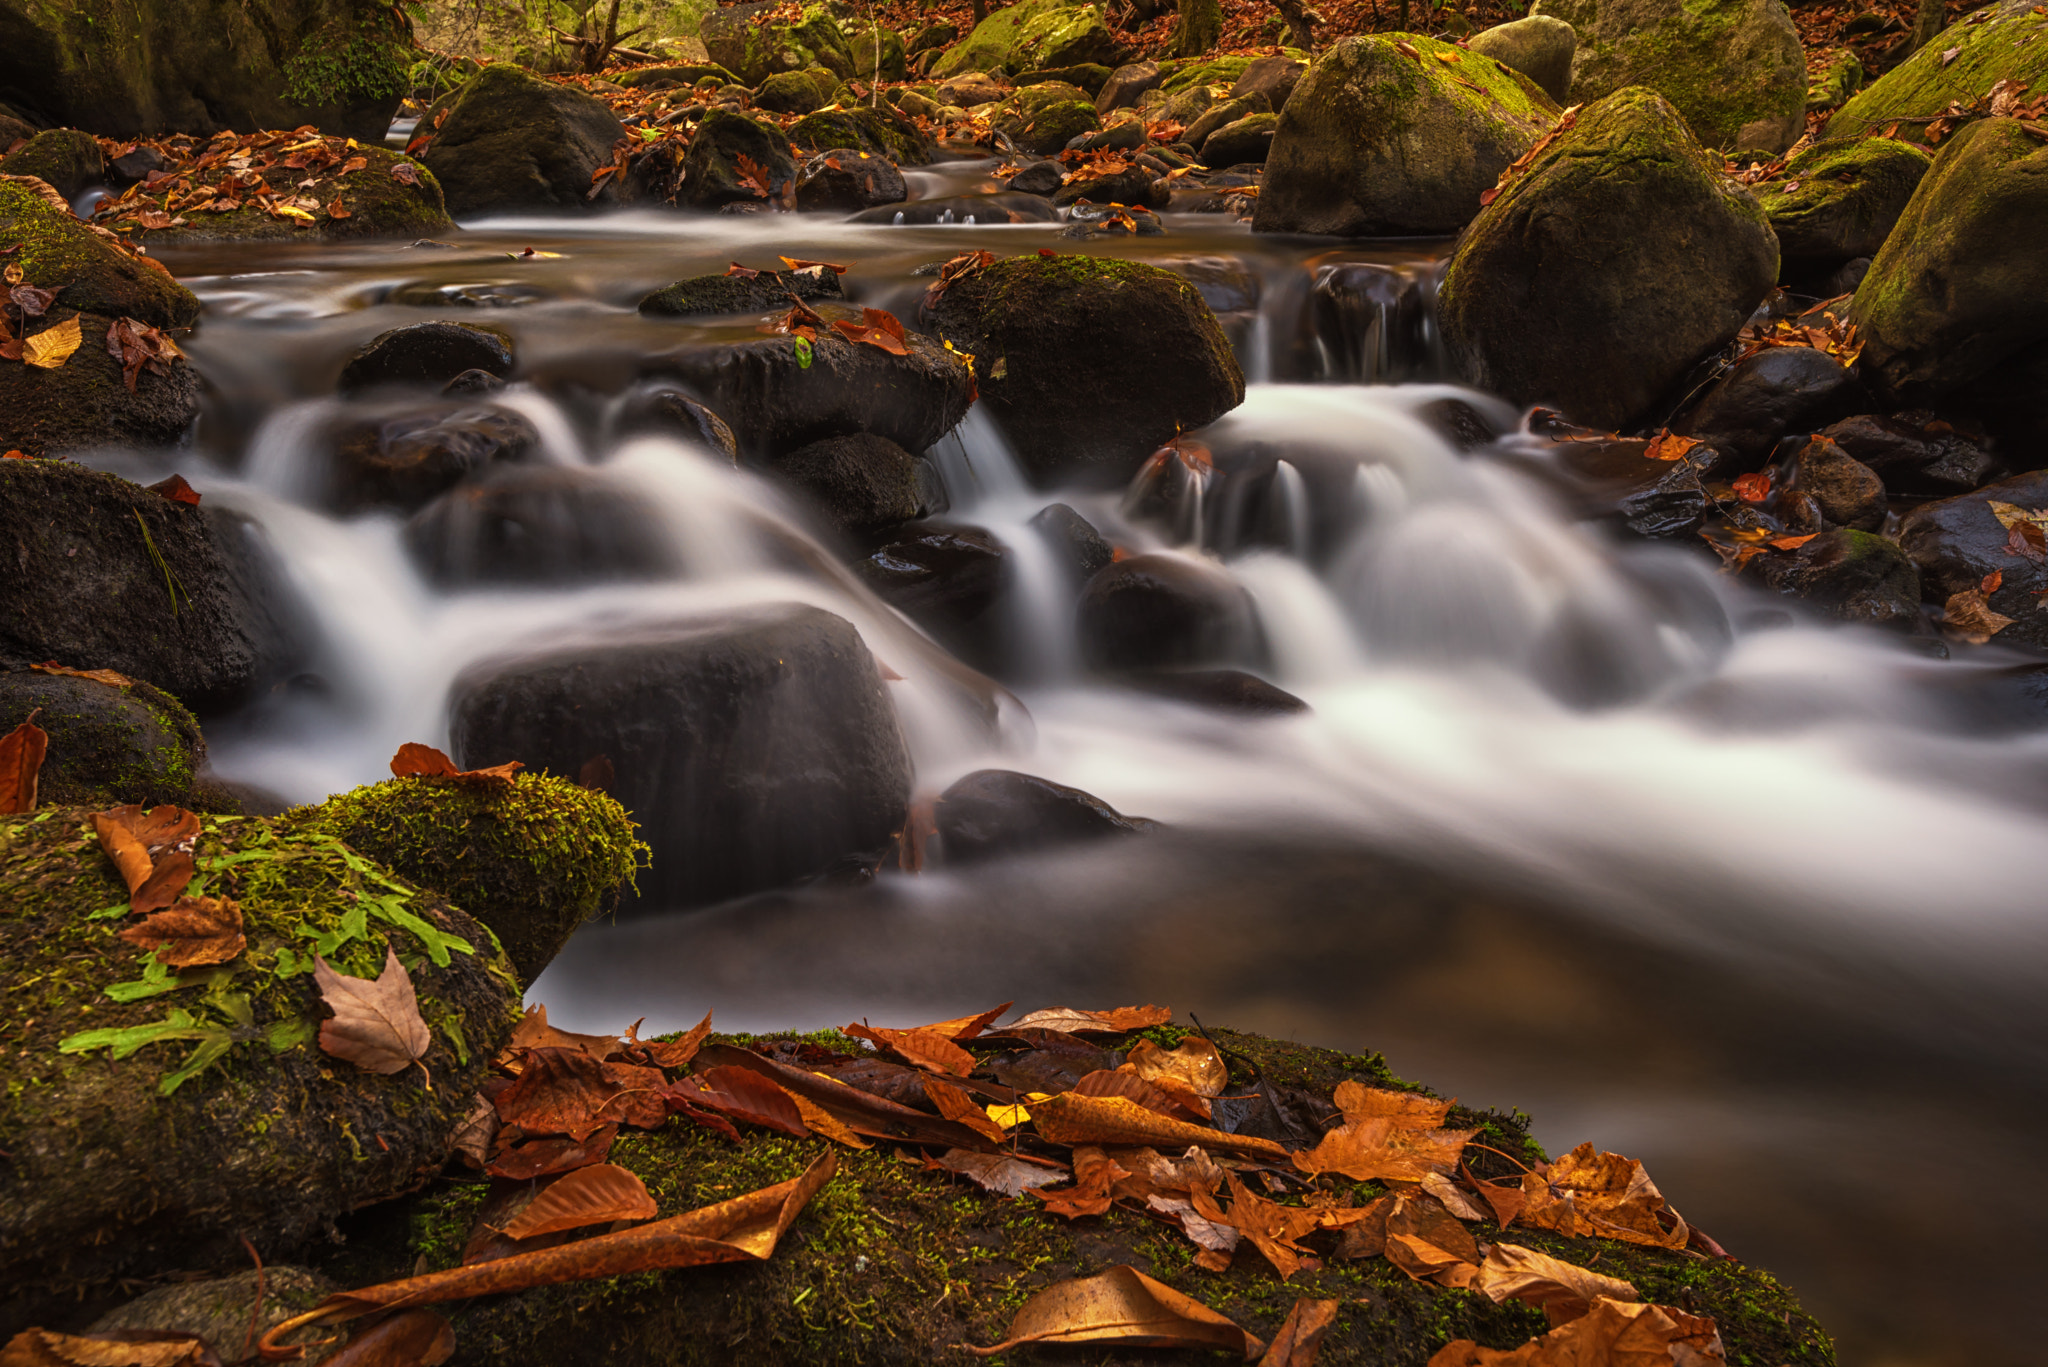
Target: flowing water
column 1574, row 825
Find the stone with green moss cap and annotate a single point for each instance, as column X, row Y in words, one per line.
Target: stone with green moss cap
column 1042, row 118
column 1374, row 142
column 2001, row 42
column 532, row 859
column 1616, row 261
column 1838, row 200
column 989, row 47
column 69, row 161
column 878, row 131
column 110, row 743
column 1072, row 35
column 1733, row 68
column 1959, row 285
column 152, row 1118
column 753, row 43
column 1832, row 76
column 92, row 270
column 376, row 201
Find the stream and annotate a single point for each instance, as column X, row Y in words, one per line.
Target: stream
column 1575, row 824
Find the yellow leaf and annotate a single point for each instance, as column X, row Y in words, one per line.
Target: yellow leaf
column 52, row 347
column 291, row 211
column 1009, row 1117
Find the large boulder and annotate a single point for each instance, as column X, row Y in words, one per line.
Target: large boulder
column 880, row 131
column 1733, row 68
column 993, row 813
column 1838, row 200
column 1066, row 36
column 516, row 144
column 1538, row 46
column 163, row 603
column 156, row 1118
column 197, row 66
column 1052, row 343
column 713, row 175
column 758, row 747
column 848, row 180
column 1603, row 272
column 1957, row 541
column 2007, row 41
column 863, row 484
column 68, row 161
column 112, row 740
column 753, row 42
column 536, row 856
column 1959, row 284
column 407, row 458
column 877, row 53
column 1376, row 143
column 993, row 44
column 952, row 581
column 1043, row 118
column 390, row 195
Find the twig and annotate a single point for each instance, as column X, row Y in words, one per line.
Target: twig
column 255, row 1310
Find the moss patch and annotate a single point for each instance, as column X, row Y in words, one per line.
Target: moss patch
column 92, row 271
column 2011, row 44
column 109, row 744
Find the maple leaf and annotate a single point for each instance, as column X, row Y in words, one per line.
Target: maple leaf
column 1371, row 1148
column 754, row 176
column 21, row 763
column 192, row 931
column 414, row 760
column 595, row 1195
column 1122, row 1303
column 1753, row 488
column 376, row 1023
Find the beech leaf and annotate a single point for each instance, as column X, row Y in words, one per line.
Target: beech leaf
column 1126, row 1305
column 53, row 346
column 1562, row 1290
column 376, row 1023
column 1072, row 1022
column 1002, row 1173
column 744, row 1095
column 1113, row 1120
column 1301, row 1335
column 192, row 931
column 1613, row 1332
column 588, row 1196
column 414, row 760
column 926, row 1048
column 21, row 763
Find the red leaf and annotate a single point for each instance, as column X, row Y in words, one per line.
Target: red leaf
column 414, row 760
column 1753, row 488
column 176, row 490
column 21, row 761
column 743, row 1095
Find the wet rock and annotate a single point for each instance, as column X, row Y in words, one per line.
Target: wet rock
column 109, row 743
column 1273, row 77
column 2004, row 45
column 164, row 1158
column 1124, row 132
column 1039, row 178
column 537, row 857
column 880, row 131
column 1133, row 185
column 877, row 53
column 378, row 204
column 1650, row 259
column 863, row 484
column 766, row 292
column 221, row 1310
column 130, row 167
column 1458, row 423
column 1777, row 391
column 1847, row 492
column 1957, row 541
column 847, row 180
column 471, row 383
column 1042, row 119
column 1838, row 200
column 1734, row 68
column 68, row 161
column 1955, row 290
column 1538, row 46
column 755, row 42
column 1224, row 690
column 1245, row 141
column 1851, row 576
column 406, row 460
column 76, row 536
column 672, row 413
column 426, row 353
column 777, row 403
column 1220, row 113
column 1080, row 550
column 758, row 747
column 1090, row 76
column 1915, row 458
column 1164, row 611
column 1373, row 322
column 949, row 580
column 516, row 144
column 541, row 525
column 711, row 169
column 967, row 209
column 1373, row 143
column 1031, row 35
column 1125, row 85
column 1051, row 342
column 993, row 813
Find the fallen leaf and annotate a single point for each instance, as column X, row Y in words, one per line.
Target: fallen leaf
column 963, row 1028
column 797, row 265
column 1150, row 1173
column 1134, row 1088
column 1300, row 1338
column 744, row 1095
column 673, row 1053
column 1505, row 1202
column 339, row 210
column 1195, row 1065
column 1095, row 1172
column 151, row 850
column 31, row 300
column 1612, row 1334
column 1454, row 1199
column 21, row 764
column 47, row 1348
column 53, row 346
column 105, row 676
column 1273, row 1229
column 566, row 1091
column 956, row 1105
column 926, row 1048
column 1949, row 55
column 1211, row 1236
column 1562, row 1290
column 1373, row 1148
column 1003, row 1173
column 820, row 1121
column 1753, row 488
column 744, row 1229
column 477, row 1132
column 414, row 760
column 859, row 1111
column 1600, row 1195
column 588, row 1196
column 1406, row 48
column 176, row 490
column 405, row 173
column 523, row 1161
column 137, row 346
column 743, row 272
column 376, row 1023
column 192, row 931
column 1121, row 1304
column 1069, row 1021
column 1668, row 445
column 2028, row 541
column 1790, row 543
column 534, row 1032
column 1972, row 617
column 410, row 1338
column 1075, row 1120
column 877, row 328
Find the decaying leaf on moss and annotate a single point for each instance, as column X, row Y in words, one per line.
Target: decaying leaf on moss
column 376, row 1023
column 21, row 763
column 192, row 931
column 1125, row 1305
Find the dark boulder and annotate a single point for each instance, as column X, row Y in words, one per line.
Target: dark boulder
column 1125, row 85
column 406, row 460
column 110, row 743
column 1165, row 611
column 862, row 484
column 516, row 144
column 766, row 292
column 1922, row 458
column 426, row 354
column 878, row 130
column 712, row 177
column 1847, row 575
column 1957, row 541
column 1847, row 492
column 1223, row 112
column 757, row 747
column 1091, row 77
column 68, row 161
column 1839, row 200
column 91, row 269
column 538, row 524
column 1051, row 340
column 788, row 92
column 1538, row 46
column 1042, row 119
column 1039, row 178
column 992, row 813
column 1272, row 77
column 1242, row 142
column 472, row 383
column 1134, row 185
column 660, row 411
column 220, row 1310
column 951, row 581
column 846, row 180
column 1080, row 550
column 1776, row 392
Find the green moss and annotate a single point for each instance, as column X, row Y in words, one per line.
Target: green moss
column 1188, row 72
column 2011, row 44
column 347, row 60
column 988, row 47
column 1839, row 199
column 90, row 272
column 1832, row 77
column 109, row 743
column 863, row 129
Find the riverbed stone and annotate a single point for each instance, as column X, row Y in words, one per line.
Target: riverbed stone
column 1374, row 142
column 712, row 177
column 754, row 42
column 992, row 46
column 516, row 144
column 1051, row 340
column 1242, row 142
column 1041, row 119
column 110, row 742
column 427, row 354
column 1915, row 455
column 1620, row 258
column 1125, row 85
column 994, row 813
column 542, row 525
column 1848, row 575
column 68, row 161
column 85, row 404
column 880, row 131
column 1158, row 611
column 1777, row 391
column 765, row 292
column 1832, row 76
column 759, row 747
column 950, row 580
column 1847, row 492
column 847, row 180
column 1065, row 36
column 2010, row 43
column 1539, row 46
column 788, row 92
column 1957, row 541
column 404, row 460
column 665, row 411
column 862, row 484
column 1957, row 288
column 1839, row 200
column 1733, row 68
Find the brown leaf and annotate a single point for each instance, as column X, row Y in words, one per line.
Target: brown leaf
column 176, row 490
column 152, row 851
column 1601, row 1195
column 963, row 1028
column 1134, row 1088
column 105, row 676
column 744, row 1229
column 1506, row 1202
column 1614, row 1332
column 339, row 210
column 1003, row 1173
column 925, row 1048
column 523, row 1161
column 478, row 1130
column 1095, row 1172
column 588, row 1196
column 192, row 931
column 744, row 1095
column 877, row 329
column 798, row 265
column 1114, row 1120
column 1072, row 1022
column 1425, row 1240
column 1300, row 1339
column 1667, row 445
column 1560, row 1289
column 405, row 173
column 1376, row 1147
column 1121, row 1304
column 566, row 1091
column 1273, row 1229
column 414, row 760
column 743, row 272
column 1195, row 1066
column 534, row 1032
column 956, row 1105
column 32, row 302
column 1970, row 615
column 857, row 1110
column 2028, row 541
column 410, row 1338
column 1150, row 1173
column 21, row 765
column 820, row 1121
column 1453, row 1196
column 47, row 1348
column 672, row 1053
column 376, row 1023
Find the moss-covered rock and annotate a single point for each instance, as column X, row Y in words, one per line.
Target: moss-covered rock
column 1838, row 200
column 1959, row 284
column 532, row 859
column 1832, row 76
column 690, row 74
column 1536, row 45
column 1847, row 575
column 109, row 743
column 91, row 269
column 379, row 200
column 789, row 92
column 1185, row 73
column 1042, row 118
column 514, row 143
column 753, row 43
column 989, row 47
column 1733, row 68
column 880, row 132
column 1052, row 337
column 69, row 161
column 877, row 53
column 1374, row 142
column 712, row 176
column 1602, row 273
column 2006, row 41
column 1072, row 35
column 760, row 293
column 893, row 1264
column 153, row 1118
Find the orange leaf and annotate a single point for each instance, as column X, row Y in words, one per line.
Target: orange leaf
column 1991, row 583
column 1406, row 48
column 1377, row 1147
column 1301, row 1335
column 1753, row 488
column 967, row 1027
column 21, row 763
column 595, row 1195
column 744, row 1095
column 1002, row 1173
column 534, row 1032
column 192, row 931
column 376, row 1023
column 925, row 1048
column 1791, row 543
column 151, row 850
column 1613, row 1332
column 176, row 490
column 674, row 1053
column 957, row 1106
column 414, row 760
column 1563, row 1290
column 1121, row 1304
column 1668, row 445
column 1113, row 1120
column 1116, row 1022
column 1094, row 1174
column 795, row 264
column 1601, row 1195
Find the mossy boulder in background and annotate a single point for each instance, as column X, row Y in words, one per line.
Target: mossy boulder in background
column 532, row 859
column 1059, row 369
column 1042, row 118
column 1960, row 283
column 880, row 132
column 68, row 161
column 1374, row 142
column 1538, row 46
column 1617, row 260
column 153, row 1117
column 2010, row 43
column 110, row 743
column 989, row 47
column 788, row 92
column 1832, row 76
column 749, row 41
column 1733, row 68
column 1071, row 35
column 877, row 53
column 514, row 143
column 1838, row 200
column 381, row 201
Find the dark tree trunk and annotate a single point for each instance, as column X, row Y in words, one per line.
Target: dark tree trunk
column 1928, row 21
column 1201, row 27
column 1300, row 25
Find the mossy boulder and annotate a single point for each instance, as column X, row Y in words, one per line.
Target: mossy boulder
column 1838, row 200
column 154, row 1118
column 1536, row 45
column 880, row 132
column 877, row 53
column 69, row 161
column 1376, row 143
column 1042, row 118
column 893, row 1264
column 1602, row 273
column 1240, row 142
column 712, row 177
column 532, row 859
column 1072, row 35
column 376, row 201
column 1053, row 344
column 1960, row 282
column 92, row 270
column 753, row 43
column 1847, row 575
column 514, row 143
column 1733, row 68
column 2002, row 42
column 990, row 45
column 789, row 92
column 1832, row 76
column 762, row 293
column 1186, row 73
column 109, row 743
column 640, row 77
